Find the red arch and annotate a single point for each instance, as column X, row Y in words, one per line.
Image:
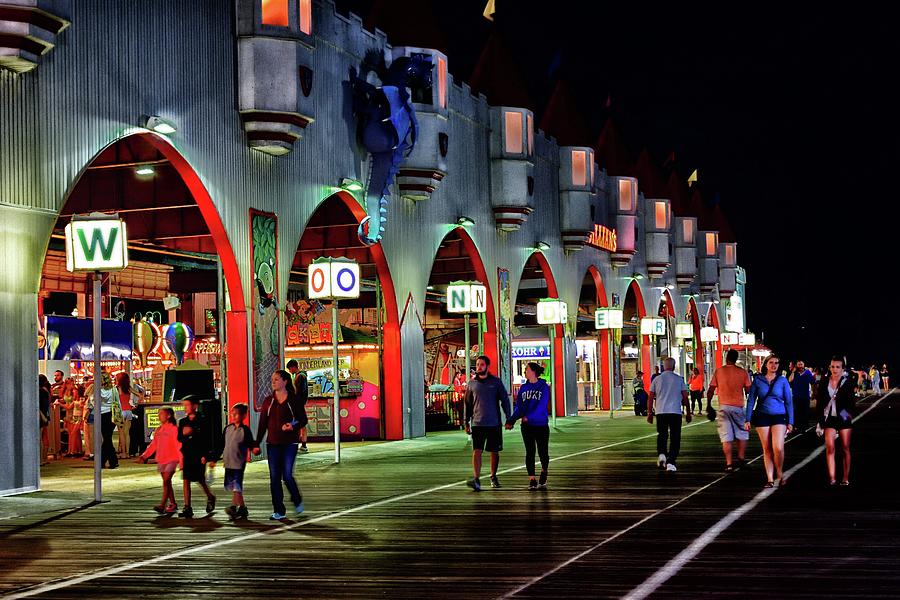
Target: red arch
column 236, row 328
column 645, row 339
column 670, row 306
column 392, row 353
column 695, row 320
column 605, row 367
column 713, row 321
column 559, row 373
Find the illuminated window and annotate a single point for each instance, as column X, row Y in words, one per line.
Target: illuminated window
column 661, row 215
column 688, row 231
column 579, row 167
column 590, row 167
column 442, row 81
column 530, row 126
column 275, row 12
column 305, row 16
column 711, row 243
column 513, row 132
column 626, row 195
column 729, row 254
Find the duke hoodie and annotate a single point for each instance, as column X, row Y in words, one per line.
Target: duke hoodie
column 532, row 403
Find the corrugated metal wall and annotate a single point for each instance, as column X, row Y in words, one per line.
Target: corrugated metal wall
column 120, row 60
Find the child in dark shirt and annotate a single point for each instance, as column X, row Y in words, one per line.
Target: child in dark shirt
column 238, row 441
column 196, row 452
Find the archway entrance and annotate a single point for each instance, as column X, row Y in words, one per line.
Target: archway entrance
column 667, row 346
column 634, row 353
column 182, row 269
column 457, row 259
column 715, row 360
column 369, row 374
column 531, row 342
column 592, row 346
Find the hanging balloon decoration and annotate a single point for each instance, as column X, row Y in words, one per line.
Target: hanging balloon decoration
column 143, row 339
column 178, row 339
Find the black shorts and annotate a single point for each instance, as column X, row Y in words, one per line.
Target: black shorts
column 193, row 470
column 234, row 480
column 761, row 419
column 837, row 423
column 487, row 438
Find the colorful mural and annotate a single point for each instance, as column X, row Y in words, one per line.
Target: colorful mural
column 264, row 308
column 504, row 332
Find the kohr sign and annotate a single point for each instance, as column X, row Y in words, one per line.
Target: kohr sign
column 523, row 352
column 333, row 278
column 466, row 297
column 96, row 243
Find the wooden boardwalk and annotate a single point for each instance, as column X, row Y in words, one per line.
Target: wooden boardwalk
column 395, row 521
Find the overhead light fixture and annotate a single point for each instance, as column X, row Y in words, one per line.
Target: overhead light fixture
column 144, row 170
column 465, row 222
column 670, row 286
column 159, row 125
column 542, row 246
column 351, row 185
column 637, row 275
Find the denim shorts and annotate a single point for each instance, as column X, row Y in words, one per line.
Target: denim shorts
column 730, row 423
column 761, row 419
column 234, row 480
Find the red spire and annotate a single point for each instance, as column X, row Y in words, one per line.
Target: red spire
column 562, row 119
column 650, row 178
column 697, row 208
column 611, row 152
column 678, row 194
column 720, row 222
column 496, row 76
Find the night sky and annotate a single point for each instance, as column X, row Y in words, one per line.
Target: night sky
column 790, row 119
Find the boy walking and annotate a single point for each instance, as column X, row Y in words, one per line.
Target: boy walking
column 485, row 397
column 196, row 452
column 238, row 442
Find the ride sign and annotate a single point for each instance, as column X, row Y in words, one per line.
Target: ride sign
column 333, row 278
column 96, row 243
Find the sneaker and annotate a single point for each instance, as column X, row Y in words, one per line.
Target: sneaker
column 671, row 468
column 304, row 449
column 729, row 468
column 241, row 512
column 211, row 504
column 532, row 484
column 661, row 461
column 474, row 483
column 542, row 482
column 276, row 516
column 298, row 508
column 495, row 483
column 160, row 509
column 231, row 511
column 171, row 509
column 187, row 513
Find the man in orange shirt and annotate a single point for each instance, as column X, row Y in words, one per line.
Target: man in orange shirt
column 732, row 383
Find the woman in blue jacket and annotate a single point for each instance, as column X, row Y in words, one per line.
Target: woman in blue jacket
column 532, row 404
column 770, row 409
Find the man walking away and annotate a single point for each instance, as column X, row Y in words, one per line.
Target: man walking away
column 875, row 376
column 801, row 381
column 668, row 394
column 301, row 389
column 732, row 383
column 485, row 397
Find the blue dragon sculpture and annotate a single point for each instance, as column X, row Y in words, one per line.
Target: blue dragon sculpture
column 387, row 130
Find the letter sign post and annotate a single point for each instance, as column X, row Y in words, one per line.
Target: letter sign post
column 467, row 297
column 552, row 312
column 96, row 243
column 333, row 279
column 612, row 319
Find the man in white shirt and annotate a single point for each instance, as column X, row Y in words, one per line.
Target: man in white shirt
column 668, row 395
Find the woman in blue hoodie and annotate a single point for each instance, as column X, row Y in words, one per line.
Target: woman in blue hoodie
column 770, row 409
column 532, row 404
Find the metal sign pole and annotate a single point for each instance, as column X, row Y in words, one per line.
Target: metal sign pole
column 611, row 349
column 98, row 382
column 553, row 373
column 337, row 381
column 466, row 343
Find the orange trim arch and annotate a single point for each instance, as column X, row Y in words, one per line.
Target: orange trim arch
column 490, row 349
column 713, row 321
column 559, row 372
column 699, row 358
column 605, row 342
column 645, row 339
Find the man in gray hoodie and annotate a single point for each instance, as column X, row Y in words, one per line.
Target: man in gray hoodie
column 485, row 397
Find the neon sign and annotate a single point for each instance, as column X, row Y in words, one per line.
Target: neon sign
column 603, row 238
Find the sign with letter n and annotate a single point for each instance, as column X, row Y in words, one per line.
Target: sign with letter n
column 96, row 243
column 466, row 297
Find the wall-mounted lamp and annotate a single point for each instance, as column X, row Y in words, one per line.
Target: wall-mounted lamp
column 465, row 222
column 637, row 275
column 351, row 185
column 542, row 246
column 144, row 170
column 158, row 125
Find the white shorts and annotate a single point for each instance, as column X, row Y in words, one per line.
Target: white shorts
column 730, row 423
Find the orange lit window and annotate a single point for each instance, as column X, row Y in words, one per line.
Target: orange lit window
column 305, row 16
column 661, row 215
column 729, row 254
column 442, row 81
column 626, row 195
column 590, row 167
column 688, row 231
column 275, row 12
column 513, row 132
column 579, row 167
column 530, row 127
column 711, row 242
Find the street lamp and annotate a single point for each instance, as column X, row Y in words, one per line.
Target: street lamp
column 552, row 312
column 96, row 243
column 466, row 297
column 611, row 319
column 334, row 279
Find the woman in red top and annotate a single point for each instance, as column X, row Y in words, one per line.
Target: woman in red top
column 168, row 456
column 281, row 418
column 696, row 385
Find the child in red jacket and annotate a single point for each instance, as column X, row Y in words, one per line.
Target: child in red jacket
column 168, row 457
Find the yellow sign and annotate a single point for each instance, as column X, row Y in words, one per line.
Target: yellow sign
column 603, row 238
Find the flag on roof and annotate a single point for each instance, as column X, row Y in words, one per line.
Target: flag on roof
column 489, row 10
column 694, row 178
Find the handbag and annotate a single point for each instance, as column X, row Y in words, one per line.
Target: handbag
column 118, row 417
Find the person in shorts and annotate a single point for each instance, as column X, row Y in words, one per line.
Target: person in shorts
column 238, row 439
column 167, row 448
column 732, row 383
column 485, row 397
column 196, row 452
